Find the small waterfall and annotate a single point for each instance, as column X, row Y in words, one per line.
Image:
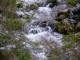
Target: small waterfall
column 41, row 30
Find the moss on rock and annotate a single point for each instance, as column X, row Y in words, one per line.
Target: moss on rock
column 33, row 6
column 72, row 2
column 19, row 5
column 64, row 27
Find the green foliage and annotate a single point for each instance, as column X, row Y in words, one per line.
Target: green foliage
column 71, row 37
column 5, row 55
column 56, row 52
column 13, row 24
column 35, row 43
column 67, row 46
column 70, row 40
column 52, row 59
column 4, row 39
column 9, row 14
column 20, row 52
column 28, row 19
column 72, row 2
column 8, row 7
column 19, row 5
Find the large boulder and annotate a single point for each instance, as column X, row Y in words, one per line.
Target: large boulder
column 62, row 15
column 64, row 27
column 43, row 23
column 54, row 2
column 78, row 26
column 76, row 13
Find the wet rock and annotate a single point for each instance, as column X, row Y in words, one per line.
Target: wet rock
column 19, row 5
column 39, row 4
column 0, row 11
column 54, row 2
column 78, row 1
column 64, row 27
column 77, row 34
column 43, row 23
column 52, row 25
column 33, row 7
column 78, row 8
column 78, row 26
column 51, row 5
column 76, row 13
column 62, row 15
column 35, row 23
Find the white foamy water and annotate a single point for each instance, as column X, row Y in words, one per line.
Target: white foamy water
column 44, row 13
column 36, row 33
column 43, row 34
column 46, row 36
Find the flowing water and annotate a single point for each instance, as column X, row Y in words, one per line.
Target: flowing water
column 40, row 30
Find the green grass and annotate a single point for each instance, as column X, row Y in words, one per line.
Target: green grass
column 4, row 39
column 19, row 5
column 52, row 59
column 70, row 40
column 5, row 55
column 35, row 43
column 72, row 2
column 13, row 24
column 20, row 52
column 56, row 52
column 67, row 46
column 28, row 19
column 71, row 37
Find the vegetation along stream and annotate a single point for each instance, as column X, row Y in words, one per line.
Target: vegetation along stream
column 39, row 29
